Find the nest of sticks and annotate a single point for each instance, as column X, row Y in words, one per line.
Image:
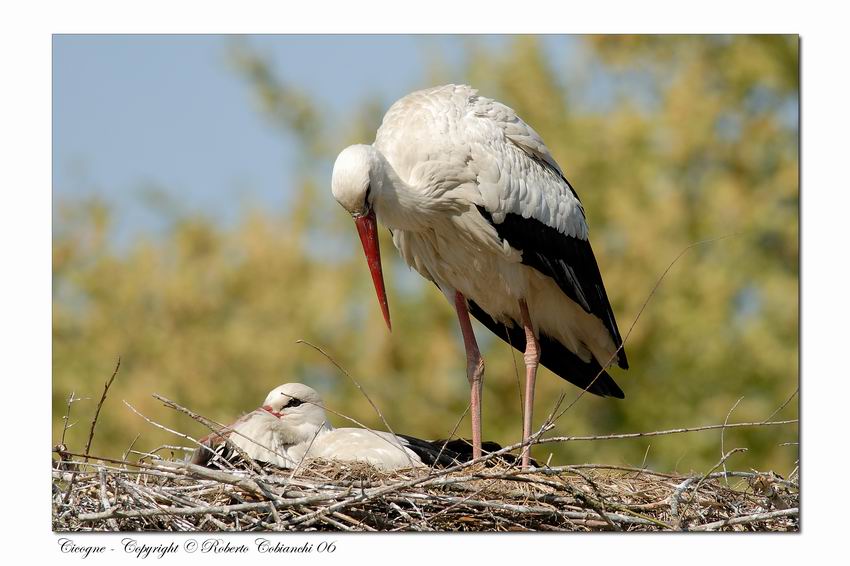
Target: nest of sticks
column 154, row 492
column 172, row 495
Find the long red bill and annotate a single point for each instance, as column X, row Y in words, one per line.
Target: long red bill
column 367, row 227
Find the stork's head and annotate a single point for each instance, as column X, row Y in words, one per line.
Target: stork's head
column 355, row 185
column 297, row 404
column 351, row 182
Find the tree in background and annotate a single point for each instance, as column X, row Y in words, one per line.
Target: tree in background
column 669, row 141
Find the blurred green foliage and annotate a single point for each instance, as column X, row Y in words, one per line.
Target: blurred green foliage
column 668, row 140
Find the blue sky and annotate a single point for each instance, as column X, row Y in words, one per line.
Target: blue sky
column 169, row 112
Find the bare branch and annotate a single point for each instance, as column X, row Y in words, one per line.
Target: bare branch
column 106, row 387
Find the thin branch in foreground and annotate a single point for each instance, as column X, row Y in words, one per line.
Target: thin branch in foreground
column 722, row 430
column 106, row 387
column 351, row 377
column 628, row 435
column 66, row 420
column 306, row 451
column 783, row 405
column 639, row 314
column 162, row 427
column 359, row 388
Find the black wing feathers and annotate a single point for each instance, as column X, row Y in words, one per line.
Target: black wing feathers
column 567, row 260
column 447, row 453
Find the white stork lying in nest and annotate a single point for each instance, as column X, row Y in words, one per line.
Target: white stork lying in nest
column 291, row 427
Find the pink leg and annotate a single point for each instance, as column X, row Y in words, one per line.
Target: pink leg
column 532, row 358
column 474, row 371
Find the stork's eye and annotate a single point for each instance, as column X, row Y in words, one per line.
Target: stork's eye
column 293, row 402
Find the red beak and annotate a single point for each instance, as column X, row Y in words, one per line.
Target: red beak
column 367, row 227
column 268, row 409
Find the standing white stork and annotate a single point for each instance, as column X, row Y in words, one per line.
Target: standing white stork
column 476, row 203
column 291, row 427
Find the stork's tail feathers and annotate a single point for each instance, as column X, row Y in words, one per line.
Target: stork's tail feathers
column 556, row 357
